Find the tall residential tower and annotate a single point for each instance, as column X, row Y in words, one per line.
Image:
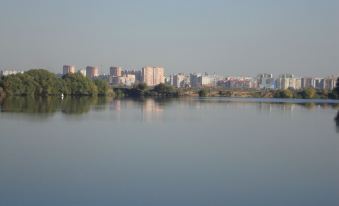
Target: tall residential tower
column 153, row 75
column 92, row 72
column 68, row 69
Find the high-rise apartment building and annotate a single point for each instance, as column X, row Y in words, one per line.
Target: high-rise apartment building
column 286, row 81
column 68, row 69
column 10, row 72
column 265, row 81
column 82, row 72
column 329, row 83
column 92, row 72
column 153, row 75
column 115, row 71
column 307, row 82
column 179, row 80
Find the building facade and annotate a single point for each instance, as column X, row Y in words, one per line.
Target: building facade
column 153, row 75
column 10, row 72
column 265, row 81
column 307, row 82
column 92, row 72
column 180, row 80
column 288, row 81
column 115, row 71
column 82, row 72
column 68, row 69
column 124, row 80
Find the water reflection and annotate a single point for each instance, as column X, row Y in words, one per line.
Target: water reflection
column 337, row 121
column 77, row 105
column 30, row 105
column 68, row 105
column 149, row 109
column 147, row 106
column 126, row 151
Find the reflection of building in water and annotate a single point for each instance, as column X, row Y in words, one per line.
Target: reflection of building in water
column 151, row 106
column 337, row 122
column 270, row 107
column 286, row 107
column 116, row 105
column 151, row 110
column 265, row 107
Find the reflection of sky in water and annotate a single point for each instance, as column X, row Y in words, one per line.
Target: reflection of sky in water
column 176, row 152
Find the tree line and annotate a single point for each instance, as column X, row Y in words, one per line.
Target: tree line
column 309, row 93
column 142, row 90
column 40, row 82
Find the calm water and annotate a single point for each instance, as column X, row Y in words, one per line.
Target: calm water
column 199, row 152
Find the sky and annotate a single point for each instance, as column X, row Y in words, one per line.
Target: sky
column 229, row 37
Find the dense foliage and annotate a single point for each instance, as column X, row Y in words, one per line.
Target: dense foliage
column 103, row 87
column 336, row 90
column 76, row 85
column 40, row 82
column 308, row 93
column 142, row 90
column 165, row 90
column 203, row 93
column 286, row 93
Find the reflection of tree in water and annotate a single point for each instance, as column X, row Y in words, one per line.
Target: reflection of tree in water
column 69, row 105
column 101, row 103
column 337, row 121
column 309, row 105
column 78, row 105
column 30, row 104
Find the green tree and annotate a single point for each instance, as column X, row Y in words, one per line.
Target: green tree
column 141, row 86
column 19, row 84
column 103, row 87
column 336, row 90
column 47, row 82
column 203, row 92
column 165, row 90
column 286, row 93
column 13, row 85
column 2, row 92
column 78, row 85
column 137, row 90
column 309, row 93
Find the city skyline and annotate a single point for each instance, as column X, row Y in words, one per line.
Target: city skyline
column 155, row 75
column 224, row 37
column 99, row 71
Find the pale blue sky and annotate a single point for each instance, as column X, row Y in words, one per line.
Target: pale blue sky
column 227, row 37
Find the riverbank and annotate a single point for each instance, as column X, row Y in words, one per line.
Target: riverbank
column 40, row 82
column 164, row 90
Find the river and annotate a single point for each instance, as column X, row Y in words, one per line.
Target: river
column 165, row 152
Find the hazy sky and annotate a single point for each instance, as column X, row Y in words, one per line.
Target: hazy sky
column 224, row 36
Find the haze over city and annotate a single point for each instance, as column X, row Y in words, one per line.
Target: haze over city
column 225, row 37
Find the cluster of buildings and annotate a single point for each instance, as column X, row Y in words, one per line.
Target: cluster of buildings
column 9, row 72
column 261, row 81
column 155, row 75
column 117, row 76
column 286, row 81
column 150, row 75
